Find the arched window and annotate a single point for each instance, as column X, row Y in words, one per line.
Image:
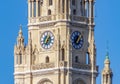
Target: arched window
column 50, row 2
column 20, row 59
column 74, row 12
column 76, row 59
column 87, row 58
column 47, row 59
column 49, row 12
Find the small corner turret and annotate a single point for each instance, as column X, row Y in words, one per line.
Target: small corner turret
column 19, row 49
column 107, row 71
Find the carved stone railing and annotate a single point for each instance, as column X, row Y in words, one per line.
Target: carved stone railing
column 82, row 66
column 58, row 17
column 43, row 66
column 79, row 18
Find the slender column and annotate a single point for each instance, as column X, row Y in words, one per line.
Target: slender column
column 29, row 8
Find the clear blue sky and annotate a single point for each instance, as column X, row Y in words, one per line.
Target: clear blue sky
column 14, row 12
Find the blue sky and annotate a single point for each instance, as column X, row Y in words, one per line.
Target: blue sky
column 14, row 12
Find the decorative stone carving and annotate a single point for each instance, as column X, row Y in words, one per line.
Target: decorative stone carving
column 43, row 66
column 47, row 24
column 62, row 63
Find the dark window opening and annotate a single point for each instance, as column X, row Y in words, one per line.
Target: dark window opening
column 76, row 59
column 47, row 59
column 49, row 12
column 74, row 12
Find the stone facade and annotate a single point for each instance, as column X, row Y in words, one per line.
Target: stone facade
column 61, row 48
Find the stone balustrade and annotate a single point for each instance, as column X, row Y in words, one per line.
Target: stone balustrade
column 82, row 66
column 58, row 17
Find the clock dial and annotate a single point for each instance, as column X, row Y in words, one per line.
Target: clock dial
column 77, row 39
column 47, row 39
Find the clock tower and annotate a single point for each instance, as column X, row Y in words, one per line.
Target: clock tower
column 61, row 48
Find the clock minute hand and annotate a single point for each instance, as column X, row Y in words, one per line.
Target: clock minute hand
column 78, row 38
column 46, row 40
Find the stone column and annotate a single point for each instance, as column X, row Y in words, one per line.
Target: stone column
column 29, row 8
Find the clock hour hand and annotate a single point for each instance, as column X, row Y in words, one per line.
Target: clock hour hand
column 78, row 39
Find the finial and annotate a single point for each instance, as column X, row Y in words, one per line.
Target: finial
column 20, row 31
column 107, row 48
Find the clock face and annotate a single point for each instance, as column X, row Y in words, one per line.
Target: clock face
column 77, row 39
column 47, row 40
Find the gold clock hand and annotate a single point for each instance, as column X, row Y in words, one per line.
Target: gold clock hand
column 46, row 40
column 78, row 38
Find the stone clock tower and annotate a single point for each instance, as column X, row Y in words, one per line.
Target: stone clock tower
column 61, row 48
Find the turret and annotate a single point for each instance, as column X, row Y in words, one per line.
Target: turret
column 107, row 72
column 19, row 51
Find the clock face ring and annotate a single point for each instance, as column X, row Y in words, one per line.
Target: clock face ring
column 47, row 39
column 77, row 39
